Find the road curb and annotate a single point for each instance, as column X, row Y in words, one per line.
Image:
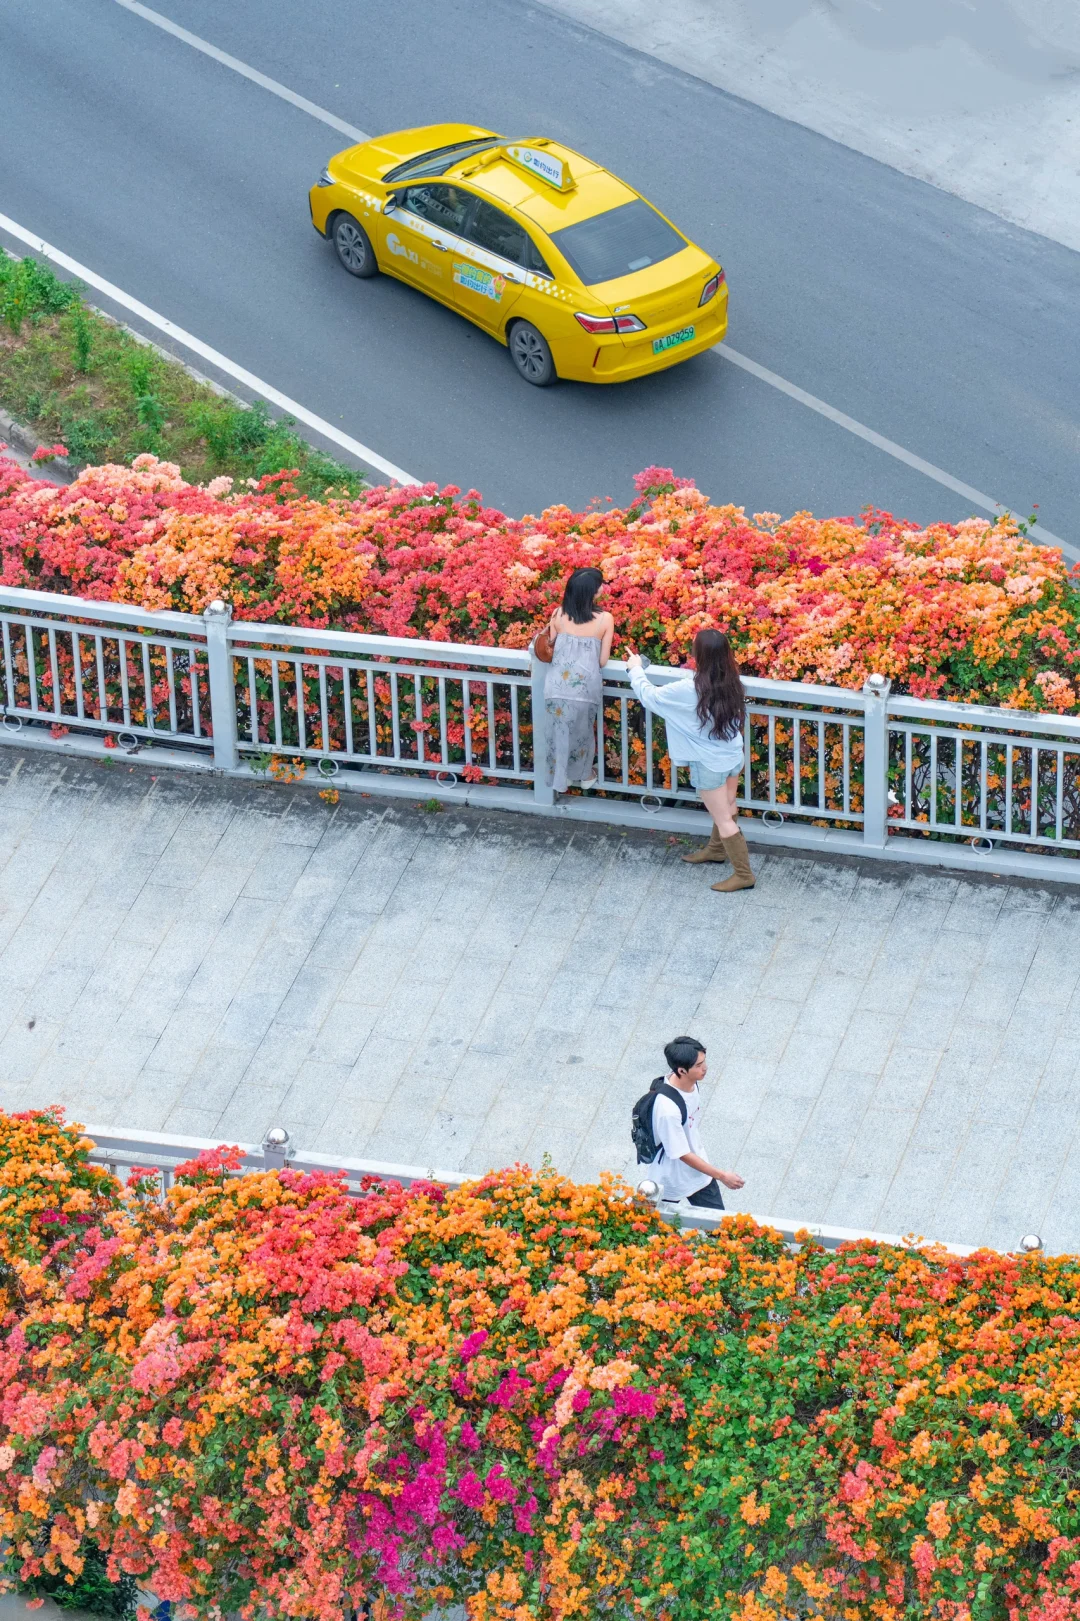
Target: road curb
column 61, row 471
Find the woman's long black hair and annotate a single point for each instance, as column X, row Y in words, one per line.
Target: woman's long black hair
column 581, row 588
column 721, row 700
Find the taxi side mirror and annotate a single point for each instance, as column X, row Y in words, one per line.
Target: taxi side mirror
column 390, row 203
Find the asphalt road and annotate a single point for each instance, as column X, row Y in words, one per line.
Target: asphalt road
column 927, row 319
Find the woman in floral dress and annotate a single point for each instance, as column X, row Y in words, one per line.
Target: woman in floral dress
column 573, row 686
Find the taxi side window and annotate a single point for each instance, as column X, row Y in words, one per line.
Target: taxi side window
column 490, row 228
column 444, row 206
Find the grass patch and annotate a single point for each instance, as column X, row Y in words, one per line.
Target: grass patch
column 71, row 375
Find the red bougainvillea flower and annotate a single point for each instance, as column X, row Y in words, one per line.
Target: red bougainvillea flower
column 265, row 1395
column 970, row 611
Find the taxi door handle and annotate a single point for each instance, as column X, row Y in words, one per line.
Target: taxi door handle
column 435, row 243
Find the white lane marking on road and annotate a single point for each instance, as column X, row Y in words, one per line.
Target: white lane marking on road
column 811, row 401
column 889, row 446
column 292, row 407
column 237, row 66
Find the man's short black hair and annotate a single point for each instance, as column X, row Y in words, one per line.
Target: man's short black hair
column 682, row 1053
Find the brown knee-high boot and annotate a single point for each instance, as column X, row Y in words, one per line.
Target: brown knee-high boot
column 739, row 856
column 713, row 851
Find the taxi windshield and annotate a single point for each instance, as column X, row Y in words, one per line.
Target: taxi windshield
column 439, row 159
column 618, row 242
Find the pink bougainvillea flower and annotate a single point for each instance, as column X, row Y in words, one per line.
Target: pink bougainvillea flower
column 973, row 611
column 265, row 1385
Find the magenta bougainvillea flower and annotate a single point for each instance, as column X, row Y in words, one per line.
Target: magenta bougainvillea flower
column 267, row 1396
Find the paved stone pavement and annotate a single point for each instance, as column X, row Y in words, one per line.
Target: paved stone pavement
column 888, row 1048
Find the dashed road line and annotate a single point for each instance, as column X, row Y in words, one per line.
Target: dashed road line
column 293, row 408
column 889, row 446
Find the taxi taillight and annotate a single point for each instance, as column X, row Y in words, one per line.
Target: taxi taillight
column 712, row 287
column 610, row 323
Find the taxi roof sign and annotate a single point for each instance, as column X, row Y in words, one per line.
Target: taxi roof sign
column 532, row 157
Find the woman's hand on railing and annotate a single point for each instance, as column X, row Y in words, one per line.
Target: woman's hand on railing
column 633, row 658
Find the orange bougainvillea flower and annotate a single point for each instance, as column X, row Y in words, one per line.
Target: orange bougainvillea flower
column 262, row 1394
column 971, row 611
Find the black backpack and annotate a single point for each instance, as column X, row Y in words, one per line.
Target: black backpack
column 641, row 1128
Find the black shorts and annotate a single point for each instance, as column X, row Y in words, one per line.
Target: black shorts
column 708, row 1197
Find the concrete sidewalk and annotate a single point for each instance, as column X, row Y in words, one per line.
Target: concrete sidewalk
column 982, row 101
column 888, row 1048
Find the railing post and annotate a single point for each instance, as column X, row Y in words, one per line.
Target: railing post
column 277, row 1147
column 542, row 794
column 222, row 687
column 876, row 761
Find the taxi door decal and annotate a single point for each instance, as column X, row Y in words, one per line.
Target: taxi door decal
column 411, row 252
column 475, row 279
column 485, row 286
column 480, row 284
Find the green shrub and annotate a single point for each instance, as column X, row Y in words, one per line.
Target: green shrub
column 86, row 437
column 232, row 432
column 91, row 1590
column 246, row 441
column 29, row 289
column 82, row 332
column 150, row 412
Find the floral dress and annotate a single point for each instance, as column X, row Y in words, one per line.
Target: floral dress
column 572, row 693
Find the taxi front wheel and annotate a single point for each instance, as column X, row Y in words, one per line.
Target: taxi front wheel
column 530, row 353
column 353, row 246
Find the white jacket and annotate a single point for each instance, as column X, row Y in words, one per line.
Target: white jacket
column 688, row 741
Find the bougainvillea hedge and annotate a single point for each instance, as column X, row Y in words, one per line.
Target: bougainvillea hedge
column 970, row 611
column 265, row 1396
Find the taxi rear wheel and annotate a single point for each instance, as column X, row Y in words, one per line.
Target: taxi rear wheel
column 353, row 246
column 531, row 355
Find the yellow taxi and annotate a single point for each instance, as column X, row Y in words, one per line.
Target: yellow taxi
column 568, row 266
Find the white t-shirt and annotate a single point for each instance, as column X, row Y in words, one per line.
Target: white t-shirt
column 676, row 1179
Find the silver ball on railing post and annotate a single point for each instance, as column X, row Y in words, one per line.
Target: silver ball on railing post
column 1031, row 1244
column 277, row 1147
column 648, row 1189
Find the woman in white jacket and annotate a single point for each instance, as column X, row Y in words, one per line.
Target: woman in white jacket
column 704, row 713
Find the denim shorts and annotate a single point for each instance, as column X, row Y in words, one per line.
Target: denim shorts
column 702, row 777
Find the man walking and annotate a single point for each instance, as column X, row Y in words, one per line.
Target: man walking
column 680, row 1167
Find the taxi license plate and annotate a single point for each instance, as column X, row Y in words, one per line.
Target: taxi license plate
column 684, row 335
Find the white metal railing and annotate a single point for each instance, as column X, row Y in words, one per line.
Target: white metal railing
column 380, row 700
column 121, row 1150
column 112, row 669
column 992, row 775
column 867, row 772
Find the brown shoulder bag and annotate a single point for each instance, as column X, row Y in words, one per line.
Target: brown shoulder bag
column 544, row 645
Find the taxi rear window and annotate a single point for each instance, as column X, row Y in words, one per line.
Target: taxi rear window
column 439, row 159
column 617, row 243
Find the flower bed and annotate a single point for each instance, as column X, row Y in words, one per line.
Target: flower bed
column 969, row 611
column 265, row 1396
